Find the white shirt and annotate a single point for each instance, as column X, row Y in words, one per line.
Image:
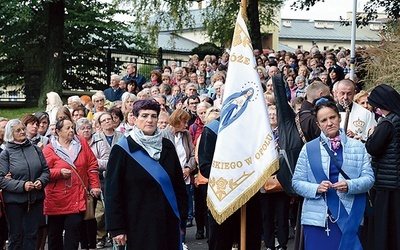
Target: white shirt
column 180, row 150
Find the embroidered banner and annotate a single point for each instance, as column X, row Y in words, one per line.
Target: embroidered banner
column 245, row 154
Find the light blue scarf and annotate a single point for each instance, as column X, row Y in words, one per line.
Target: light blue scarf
column 152, row 144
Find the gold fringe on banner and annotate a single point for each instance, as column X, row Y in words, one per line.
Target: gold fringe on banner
column 245, row 197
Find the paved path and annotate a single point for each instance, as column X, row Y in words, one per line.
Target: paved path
column 194, row 244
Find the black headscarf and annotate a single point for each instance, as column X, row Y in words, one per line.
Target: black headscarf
column 385, row 97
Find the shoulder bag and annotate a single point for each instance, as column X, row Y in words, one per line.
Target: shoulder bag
column 272, row 185
column 89, row 212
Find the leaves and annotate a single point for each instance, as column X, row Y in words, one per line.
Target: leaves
column 390, row 7
column 90, row 28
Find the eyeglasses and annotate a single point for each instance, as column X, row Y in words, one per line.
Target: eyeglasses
column 100, row 100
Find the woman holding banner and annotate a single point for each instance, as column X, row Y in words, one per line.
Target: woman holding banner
column 333, row 173
column 145, row 194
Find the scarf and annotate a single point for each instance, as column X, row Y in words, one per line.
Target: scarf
column 335, row 142
column 152, row 144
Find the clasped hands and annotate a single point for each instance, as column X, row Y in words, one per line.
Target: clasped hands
column 340, row 186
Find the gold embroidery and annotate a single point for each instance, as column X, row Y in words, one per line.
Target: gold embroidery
column 223, row 187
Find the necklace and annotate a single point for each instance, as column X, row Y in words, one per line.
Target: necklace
column 329, row 217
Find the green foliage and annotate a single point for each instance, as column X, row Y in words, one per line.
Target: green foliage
column 207, row 49
column 390, row 7
column 13, row 113
column 220, row 16
column 89, row 30
column 20, row 32
column 152, row 16
column 382, row 66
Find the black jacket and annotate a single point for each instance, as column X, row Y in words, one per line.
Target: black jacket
column 135, row 202
column 384, row 146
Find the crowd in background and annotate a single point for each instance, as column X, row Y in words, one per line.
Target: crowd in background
column 41, row 151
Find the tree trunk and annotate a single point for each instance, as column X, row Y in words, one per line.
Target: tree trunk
column 254, row 20
column 52, row 72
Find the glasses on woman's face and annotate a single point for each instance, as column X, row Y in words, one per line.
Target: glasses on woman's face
column 99, row 100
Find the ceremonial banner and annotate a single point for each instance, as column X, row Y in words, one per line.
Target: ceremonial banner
column 245, row 154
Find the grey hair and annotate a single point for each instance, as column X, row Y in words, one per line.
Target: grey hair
column 300, row 78
column 98, row 95
column 8, row 133
column 75, row 99
column 82, row 121
column 116, row 77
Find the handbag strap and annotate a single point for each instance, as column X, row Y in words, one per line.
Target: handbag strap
column 297, row 121
column 79, row 177
column 333, row 158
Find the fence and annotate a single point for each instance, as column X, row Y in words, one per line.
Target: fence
column 115, row 63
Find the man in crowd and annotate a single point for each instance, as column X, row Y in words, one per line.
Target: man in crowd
column 360, row 120
column 307, row 121
column 114, row 92
column 131, row 69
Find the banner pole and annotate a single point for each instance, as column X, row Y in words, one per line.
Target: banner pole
column 243, row 227
column 243, row 5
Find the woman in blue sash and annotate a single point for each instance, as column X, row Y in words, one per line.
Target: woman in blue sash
column 145, row 194
column 333, row 173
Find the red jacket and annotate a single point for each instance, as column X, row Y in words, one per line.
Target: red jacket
column 67, row 196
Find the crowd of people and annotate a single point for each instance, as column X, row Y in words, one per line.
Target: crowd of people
column 143, row 150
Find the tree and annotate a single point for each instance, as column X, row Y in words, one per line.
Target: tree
column 380, row 59
column 218, row 17
column 50, row 44
column 390, row 7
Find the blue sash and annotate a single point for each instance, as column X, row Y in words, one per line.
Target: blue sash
column 158, row 173
column 348, row 224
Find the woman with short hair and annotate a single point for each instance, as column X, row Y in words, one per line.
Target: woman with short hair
column 23, row 176
column 71, row 162
column 138, row 212
column 31, row 123
column 102, row 153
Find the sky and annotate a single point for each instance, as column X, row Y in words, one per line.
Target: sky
column 327, row 10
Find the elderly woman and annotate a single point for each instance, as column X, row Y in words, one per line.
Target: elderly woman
column 32, row 124
column 102, row 153
column 23, row 175
column 139, row 212
column 71, row 162
column 98, row 100
column 333, row 173
column 178, row 134
column 74, row 102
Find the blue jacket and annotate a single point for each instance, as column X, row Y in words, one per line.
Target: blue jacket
column 112, row 95
column 356, row 164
